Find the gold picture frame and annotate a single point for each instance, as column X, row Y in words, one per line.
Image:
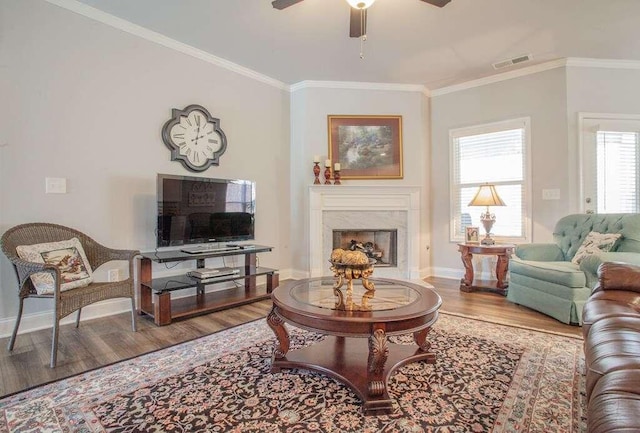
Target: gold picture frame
column 471, row 234
column 367, row 147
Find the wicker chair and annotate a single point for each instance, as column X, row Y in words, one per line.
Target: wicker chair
column 68, row 301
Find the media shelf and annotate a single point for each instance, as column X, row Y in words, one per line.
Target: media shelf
column 155, row 293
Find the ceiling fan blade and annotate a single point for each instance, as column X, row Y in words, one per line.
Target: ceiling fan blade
column 358, row 23
column 439, row 3
column 281, row 4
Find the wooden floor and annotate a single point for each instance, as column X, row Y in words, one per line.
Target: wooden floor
column 103, row 341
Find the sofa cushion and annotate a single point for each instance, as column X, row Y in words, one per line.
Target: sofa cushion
column 615, row 404
column 561, row 273
column 618, row 276
column 594, row 243
column 68, row 255
column 613, row 344
column 609, row 303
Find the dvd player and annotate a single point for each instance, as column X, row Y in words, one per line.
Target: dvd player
column 204, row 273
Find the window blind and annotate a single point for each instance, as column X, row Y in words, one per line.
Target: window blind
column 617, row 171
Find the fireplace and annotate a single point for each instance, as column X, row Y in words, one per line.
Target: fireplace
column 390, row 209
column 380, row 245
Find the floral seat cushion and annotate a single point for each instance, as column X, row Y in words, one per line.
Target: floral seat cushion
column 68, row 255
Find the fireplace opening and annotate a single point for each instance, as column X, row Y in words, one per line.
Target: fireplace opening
column 380, row 245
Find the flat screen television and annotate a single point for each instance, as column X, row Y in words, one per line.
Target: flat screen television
column 195, row 210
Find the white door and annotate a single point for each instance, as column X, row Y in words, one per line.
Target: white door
column 610, row 149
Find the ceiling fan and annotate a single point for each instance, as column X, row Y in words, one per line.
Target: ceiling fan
column 358, row 21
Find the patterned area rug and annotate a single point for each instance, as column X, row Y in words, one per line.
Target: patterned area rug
column 487, row 378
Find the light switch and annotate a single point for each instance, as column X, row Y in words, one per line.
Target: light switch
column 55, row 185
column 550, row 194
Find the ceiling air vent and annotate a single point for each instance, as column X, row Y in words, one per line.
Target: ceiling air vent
column 513, row 61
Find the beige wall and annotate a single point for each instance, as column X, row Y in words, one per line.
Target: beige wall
column 86, row 102
column 542, row 98
column 309, row 109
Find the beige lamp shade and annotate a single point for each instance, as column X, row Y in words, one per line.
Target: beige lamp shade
column 487, row 196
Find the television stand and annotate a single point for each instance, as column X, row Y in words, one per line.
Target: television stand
column 154, row 294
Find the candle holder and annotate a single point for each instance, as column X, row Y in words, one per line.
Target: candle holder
column 327, row 175
column 336, row 177
column 316, row 172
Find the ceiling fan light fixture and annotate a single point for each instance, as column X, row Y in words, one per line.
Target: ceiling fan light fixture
column 360, row 4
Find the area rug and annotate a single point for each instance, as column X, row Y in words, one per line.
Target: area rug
column 487, row 378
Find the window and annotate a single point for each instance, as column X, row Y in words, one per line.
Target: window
column 496, row 153
column 617, row 163
column 610, row 163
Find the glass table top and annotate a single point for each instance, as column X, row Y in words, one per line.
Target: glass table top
column 388, row 295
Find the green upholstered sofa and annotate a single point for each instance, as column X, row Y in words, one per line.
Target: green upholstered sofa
column 543, row 278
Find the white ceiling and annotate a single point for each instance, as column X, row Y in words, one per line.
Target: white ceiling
column 409, row 41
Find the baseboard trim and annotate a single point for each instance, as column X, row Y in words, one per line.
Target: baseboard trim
column 458, row 273
column 286, row 274
column 43, row 320
column 455, row 273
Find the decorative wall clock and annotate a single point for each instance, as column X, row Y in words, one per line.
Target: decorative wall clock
column 194, row 138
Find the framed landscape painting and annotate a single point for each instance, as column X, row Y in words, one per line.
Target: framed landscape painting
column 367, row 147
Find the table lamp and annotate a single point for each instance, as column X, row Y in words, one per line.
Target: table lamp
column 487, row 196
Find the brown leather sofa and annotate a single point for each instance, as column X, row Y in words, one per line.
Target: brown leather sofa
column 611, row 332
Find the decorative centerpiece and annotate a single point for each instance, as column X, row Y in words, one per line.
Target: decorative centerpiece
column 349, row 266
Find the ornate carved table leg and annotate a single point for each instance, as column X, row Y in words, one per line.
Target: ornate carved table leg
column 276, row 324
column 502, row 266
column 467, row 280
column 378, row 354
column 420, row 337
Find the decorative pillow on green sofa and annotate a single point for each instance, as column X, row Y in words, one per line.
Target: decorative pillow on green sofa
column 68, row 255
column 594, row 243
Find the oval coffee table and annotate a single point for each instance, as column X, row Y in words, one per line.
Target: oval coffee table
column 355, row 350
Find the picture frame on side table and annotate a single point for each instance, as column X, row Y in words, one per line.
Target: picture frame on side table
column 471, row 235
column 367, row 147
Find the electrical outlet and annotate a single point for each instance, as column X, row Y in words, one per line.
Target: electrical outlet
column 550, row 194
column 113, row 275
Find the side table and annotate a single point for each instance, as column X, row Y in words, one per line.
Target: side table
column 503, row 251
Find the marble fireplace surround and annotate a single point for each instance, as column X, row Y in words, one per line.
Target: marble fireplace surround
column 334, row 207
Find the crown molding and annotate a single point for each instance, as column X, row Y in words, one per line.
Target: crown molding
column 356, row 85
column 558, row 63
column 134, row 29
column 603, row 63
column 534, row 69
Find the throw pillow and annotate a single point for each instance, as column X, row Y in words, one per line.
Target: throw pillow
column 68, row 255
column 594, row 243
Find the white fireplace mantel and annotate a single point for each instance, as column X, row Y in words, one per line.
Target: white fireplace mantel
column 359, row 200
